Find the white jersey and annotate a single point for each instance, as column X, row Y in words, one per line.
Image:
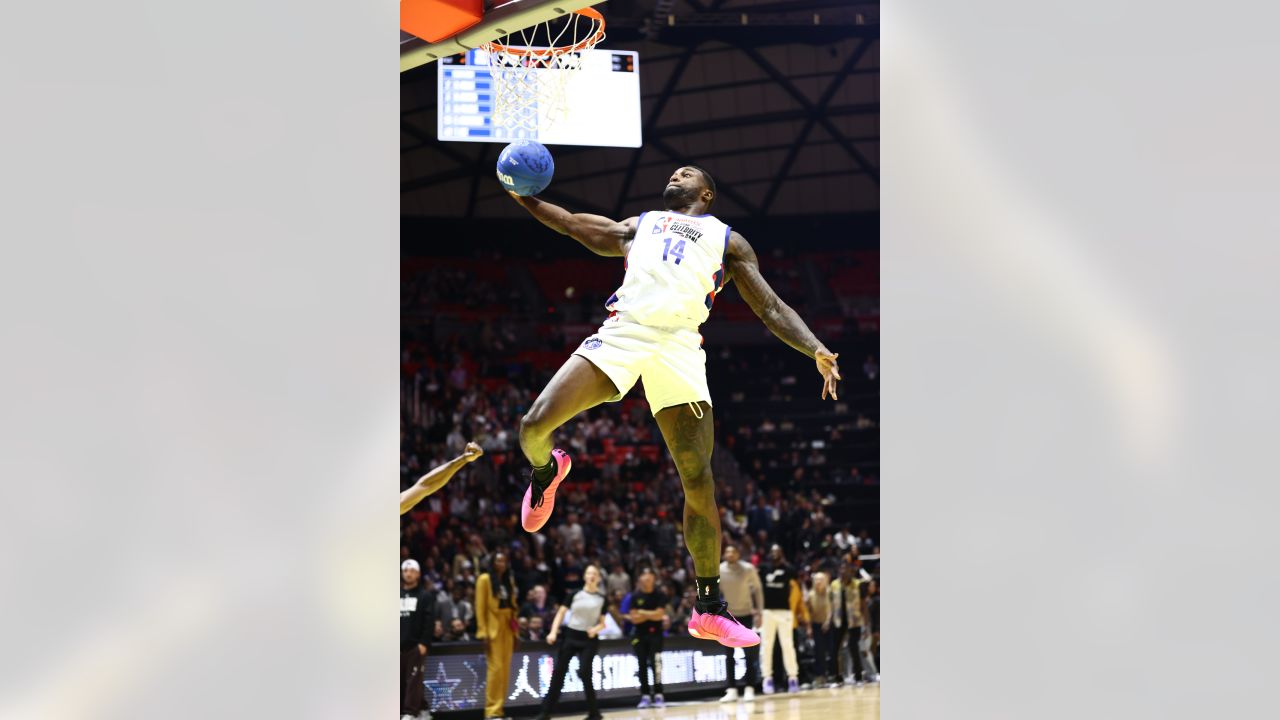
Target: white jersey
column 675, row 269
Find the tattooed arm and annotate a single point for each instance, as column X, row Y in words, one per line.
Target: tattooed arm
column 744, row 268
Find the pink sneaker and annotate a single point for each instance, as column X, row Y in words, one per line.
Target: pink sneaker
column 534, row 514
column 725, row 630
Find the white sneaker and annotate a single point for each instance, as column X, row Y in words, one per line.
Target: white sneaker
column 749, row 694
column 730, row 695
column 407, row 717
column 424, row 715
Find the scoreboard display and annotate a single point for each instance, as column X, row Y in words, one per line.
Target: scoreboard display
column 603, row 100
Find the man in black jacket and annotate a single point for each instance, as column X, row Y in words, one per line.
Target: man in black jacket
column 647, row 610
column 417, row 611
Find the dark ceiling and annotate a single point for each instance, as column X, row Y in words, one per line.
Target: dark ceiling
column 782, row 111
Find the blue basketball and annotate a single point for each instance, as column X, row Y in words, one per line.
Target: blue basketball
column 525, row 167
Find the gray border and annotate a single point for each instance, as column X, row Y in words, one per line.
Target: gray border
column 198, row 396
column 1079, row 283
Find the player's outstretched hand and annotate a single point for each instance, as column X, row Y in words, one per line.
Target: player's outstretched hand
column 472, row 452
column 830, row 372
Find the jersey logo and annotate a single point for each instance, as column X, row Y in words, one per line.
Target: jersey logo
column 687, row 229
column 661, row 227
column 592, row 343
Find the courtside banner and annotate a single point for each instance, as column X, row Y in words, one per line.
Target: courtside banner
column 454, row 673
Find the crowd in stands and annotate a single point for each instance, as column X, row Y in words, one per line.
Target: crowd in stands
column 621, row 508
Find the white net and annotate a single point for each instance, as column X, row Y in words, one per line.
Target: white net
column 530, row 69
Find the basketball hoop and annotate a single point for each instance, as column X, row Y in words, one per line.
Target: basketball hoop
column 531, row 67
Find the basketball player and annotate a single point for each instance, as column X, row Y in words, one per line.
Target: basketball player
column 437, row 478
column 677, row 260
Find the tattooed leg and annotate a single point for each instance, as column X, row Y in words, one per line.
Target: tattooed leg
column 690, row 440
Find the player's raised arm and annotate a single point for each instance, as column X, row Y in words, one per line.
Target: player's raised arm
column 436, row 479
column 598, row 234
column 744, row 268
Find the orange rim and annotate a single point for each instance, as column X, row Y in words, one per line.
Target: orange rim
column 591, row 41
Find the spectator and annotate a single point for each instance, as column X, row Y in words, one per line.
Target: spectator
column 740, row 586
column 527, row 574
column 865, row 640
column 467, row 563
column 733, row 518
column 681, row 612
column 464, row 608
column 784, row 610
column 536, row 630
column 571, row 531
column 416, row 624
column 844, row 540
column 821, row 616
column 568, row 575
column 647, row 611
column 537, row 606
column 455, row 442
column 618, row 580
column 612, row 628
column 866, row 545
column 496, row 624
column 455, row 605
column 873, row 610
column 849, row 619
column 457, row 632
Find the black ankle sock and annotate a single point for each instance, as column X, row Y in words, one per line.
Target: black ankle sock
column 708, row 591
column 543, row 475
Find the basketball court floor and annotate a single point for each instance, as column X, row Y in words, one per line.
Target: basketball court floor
column 846, row 703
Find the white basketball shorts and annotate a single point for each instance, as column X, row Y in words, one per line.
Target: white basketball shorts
column 670, row 360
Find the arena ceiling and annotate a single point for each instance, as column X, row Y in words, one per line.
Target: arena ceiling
column 782, row 109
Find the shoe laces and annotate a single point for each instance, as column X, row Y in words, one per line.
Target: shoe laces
column 721, row 609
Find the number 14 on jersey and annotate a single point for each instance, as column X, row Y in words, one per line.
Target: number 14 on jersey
column 676, row 251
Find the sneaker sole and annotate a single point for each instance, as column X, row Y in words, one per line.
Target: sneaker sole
column 717, row 638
